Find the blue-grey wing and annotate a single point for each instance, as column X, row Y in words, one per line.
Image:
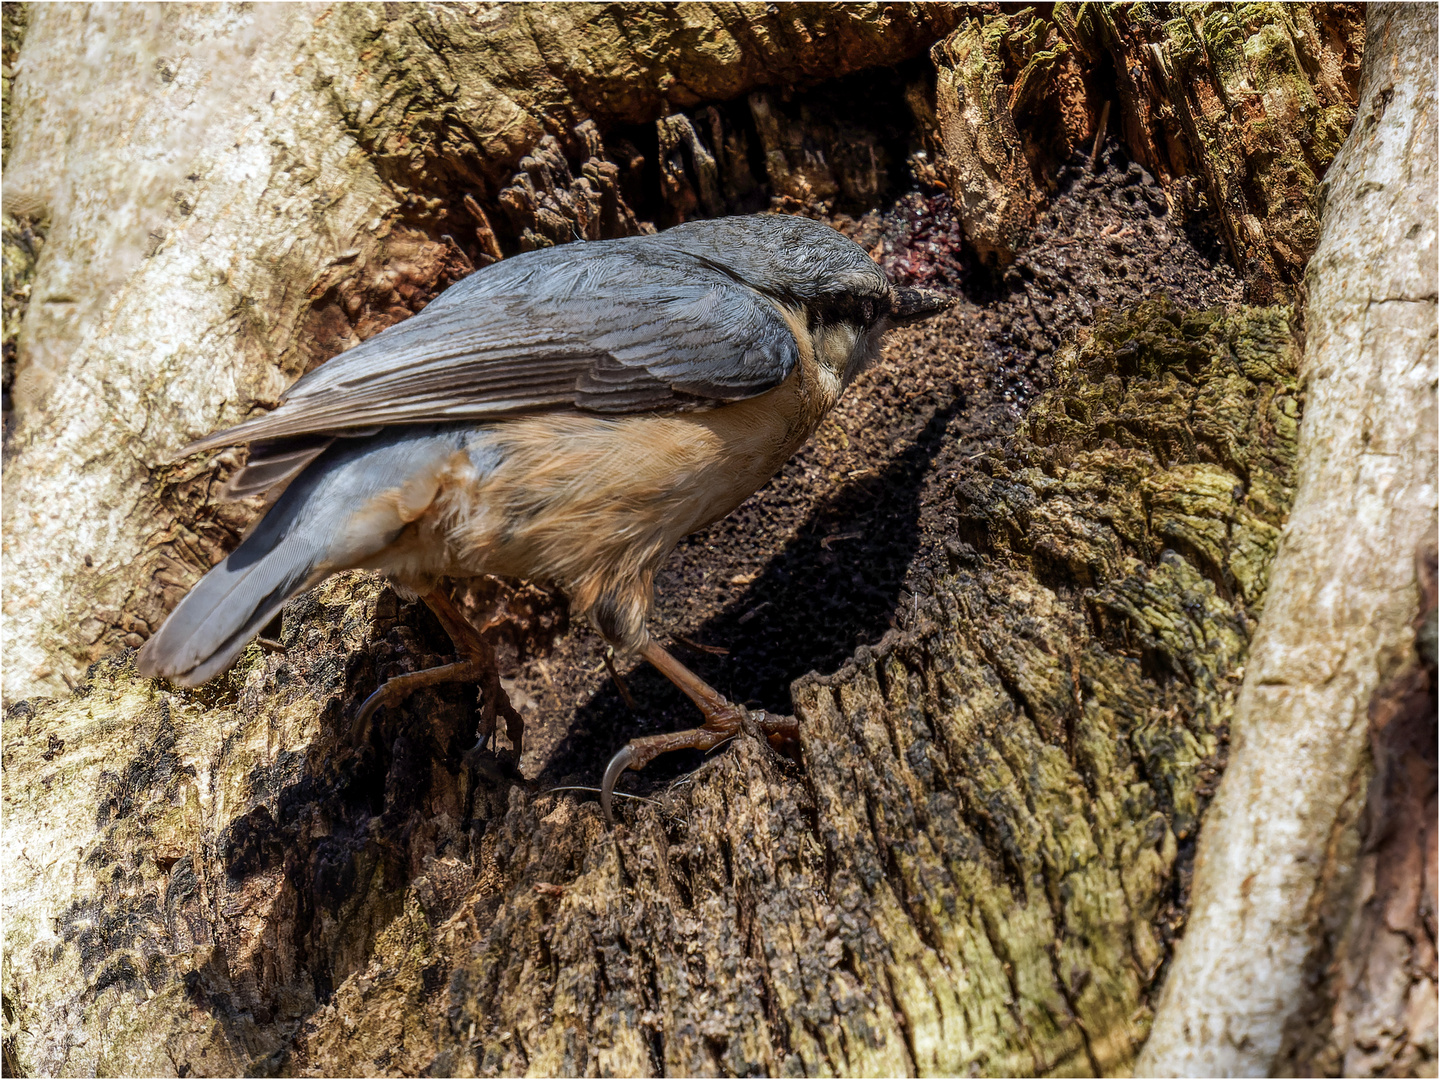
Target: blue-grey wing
column 615, row 327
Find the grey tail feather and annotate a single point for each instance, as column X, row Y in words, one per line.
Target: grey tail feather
column 305, row 536
column 273, row 464
column 229, row 606
column 282, row 555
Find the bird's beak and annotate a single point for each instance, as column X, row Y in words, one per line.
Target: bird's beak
column 912, row 305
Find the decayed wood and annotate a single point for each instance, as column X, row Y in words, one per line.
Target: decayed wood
column 1279, row 846
column 984, row 858
column 975, row 869
column 1237, row 110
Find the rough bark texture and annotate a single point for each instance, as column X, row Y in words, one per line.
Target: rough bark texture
column 381, row 152
column 1237, row 109
column 983, row 857
column 975, row 869
column 1278, row 858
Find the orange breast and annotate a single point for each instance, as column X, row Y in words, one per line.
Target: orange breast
column 594, row 503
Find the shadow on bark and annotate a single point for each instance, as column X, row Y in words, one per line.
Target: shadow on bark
column 994, row 803
column 838, row 553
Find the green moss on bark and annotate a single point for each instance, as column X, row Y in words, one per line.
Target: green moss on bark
column 1035, row 760
column 1266, row 119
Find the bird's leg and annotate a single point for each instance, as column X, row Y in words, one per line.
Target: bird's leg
column 723, row 720
column 468, row 640
column 479, row 666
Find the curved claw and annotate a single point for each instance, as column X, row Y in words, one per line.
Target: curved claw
column 397, row 689
column 369, row 708
column 624, row 759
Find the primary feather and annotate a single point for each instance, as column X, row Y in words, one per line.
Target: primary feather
column 637, row 324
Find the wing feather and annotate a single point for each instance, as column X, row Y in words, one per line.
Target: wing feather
column 608, row 327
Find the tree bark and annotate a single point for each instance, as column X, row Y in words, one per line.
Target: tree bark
column 975, row 868
column 1279, row 850
column 1238, row 116
column 982, row 859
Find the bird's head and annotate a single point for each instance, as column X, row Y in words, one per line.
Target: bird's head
column 847, row 322
column 825, row 279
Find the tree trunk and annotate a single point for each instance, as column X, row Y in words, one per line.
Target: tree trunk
column 1051, row 515
column 1281, row 848
column 976, row 864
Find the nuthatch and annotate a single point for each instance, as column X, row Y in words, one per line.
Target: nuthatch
column 566, row 415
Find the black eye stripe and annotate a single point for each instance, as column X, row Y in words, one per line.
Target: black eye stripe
column 858, row 311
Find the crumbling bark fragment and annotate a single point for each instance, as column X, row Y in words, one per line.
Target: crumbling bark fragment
column 1237, row 109
column 990, row 75
column 1263, row 173
column 547, row 204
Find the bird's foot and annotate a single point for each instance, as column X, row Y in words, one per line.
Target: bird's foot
column 478, row 667
column 393, row 691
column 721, row 725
